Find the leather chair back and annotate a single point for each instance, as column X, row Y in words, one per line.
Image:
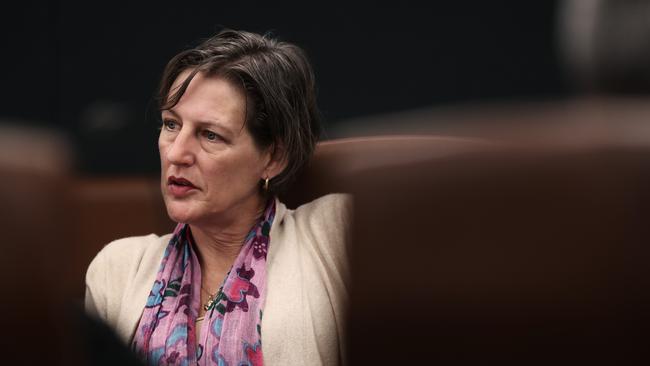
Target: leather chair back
column 336, row 163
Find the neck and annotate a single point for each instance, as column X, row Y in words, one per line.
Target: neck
column 218, row 243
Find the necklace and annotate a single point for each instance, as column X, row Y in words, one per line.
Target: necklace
column 211, row 300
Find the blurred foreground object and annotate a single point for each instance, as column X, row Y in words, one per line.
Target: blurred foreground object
column 605, row 44
column 524, row 255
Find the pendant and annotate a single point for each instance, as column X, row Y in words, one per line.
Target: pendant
column 208, row 305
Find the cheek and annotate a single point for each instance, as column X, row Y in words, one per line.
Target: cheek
column 161, row 145
column 162, row 148
column 234, row 174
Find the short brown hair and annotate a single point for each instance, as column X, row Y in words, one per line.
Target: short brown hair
column 279, row 85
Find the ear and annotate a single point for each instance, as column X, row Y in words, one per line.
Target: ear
column 277, row 161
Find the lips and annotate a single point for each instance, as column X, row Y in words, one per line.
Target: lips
column 180, row 187
column 172, row 180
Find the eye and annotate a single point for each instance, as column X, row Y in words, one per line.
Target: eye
column 170, row 125
column 211, row 136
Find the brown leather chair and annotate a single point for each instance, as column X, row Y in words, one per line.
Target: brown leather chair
column 36, row 249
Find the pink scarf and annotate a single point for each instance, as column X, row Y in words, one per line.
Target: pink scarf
column 230, row 333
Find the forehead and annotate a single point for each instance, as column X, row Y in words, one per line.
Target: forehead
column 209, row 98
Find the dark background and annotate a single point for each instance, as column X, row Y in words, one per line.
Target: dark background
column 91, row 69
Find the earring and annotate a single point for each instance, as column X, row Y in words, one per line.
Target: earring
column 266, row 184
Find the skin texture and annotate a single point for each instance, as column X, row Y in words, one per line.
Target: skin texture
column 205, row 141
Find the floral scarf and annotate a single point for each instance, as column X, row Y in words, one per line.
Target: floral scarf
column 230, row 333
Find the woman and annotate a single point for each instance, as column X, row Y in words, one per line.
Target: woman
column 242, row 280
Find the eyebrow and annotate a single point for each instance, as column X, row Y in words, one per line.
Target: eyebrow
column 205, row 123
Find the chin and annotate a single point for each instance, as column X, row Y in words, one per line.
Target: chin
column 179, row 214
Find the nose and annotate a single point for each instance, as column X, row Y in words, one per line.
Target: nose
column 181, row 150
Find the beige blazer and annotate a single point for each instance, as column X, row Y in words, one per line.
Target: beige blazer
column 307, row 288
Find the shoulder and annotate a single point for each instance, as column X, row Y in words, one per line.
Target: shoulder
column 332, row 209
column 323, row 225
column 116, row 266
column 129, row 251
column 325, row 215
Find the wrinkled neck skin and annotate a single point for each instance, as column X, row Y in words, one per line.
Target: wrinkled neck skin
column 218, row 243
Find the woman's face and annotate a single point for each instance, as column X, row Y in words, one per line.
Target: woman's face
column 211, row 168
